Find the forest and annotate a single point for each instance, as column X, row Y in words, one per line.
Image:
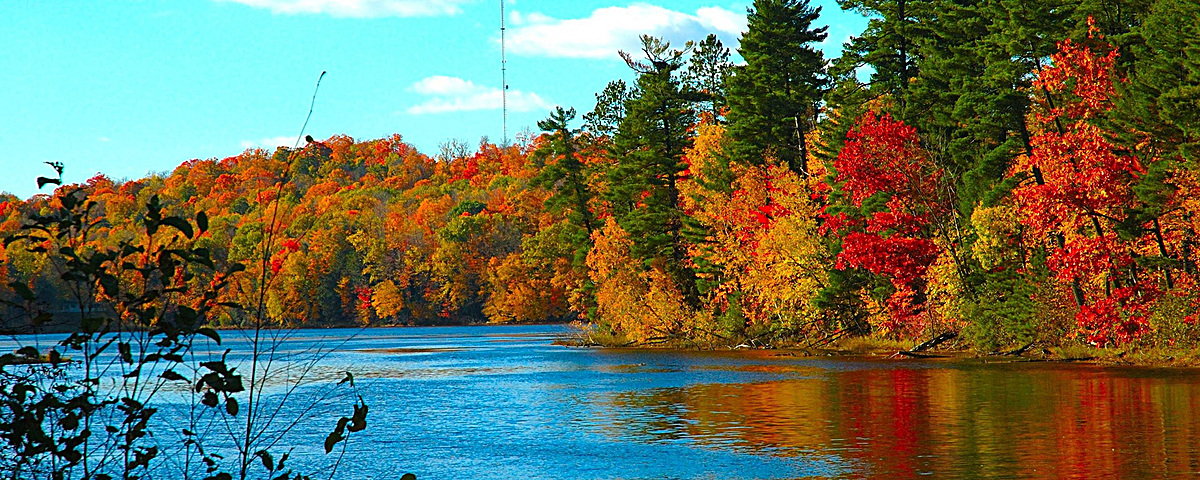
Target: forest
column 1013, row 171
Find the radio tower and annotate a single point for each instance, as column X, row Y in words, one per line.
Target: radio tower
column 503, row 80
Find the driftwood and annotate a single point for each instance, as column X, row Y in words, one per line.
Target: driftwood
column 908, row 353
column 935, row 341
column 1020, row 351
column 1017, row 352
column 931, row 343
column 826, row 340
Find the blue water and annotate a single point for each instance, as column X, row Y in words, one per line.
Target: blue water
column 503, row 402
column 499, row 402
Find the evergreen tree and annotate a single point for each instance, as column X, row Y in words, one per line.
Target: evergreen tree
column 706, row 73
column 773, row 99
column 649, row 146
column 604, row 119
column 888, row 46
column 1158, row 106
column 564, row 176
column 1156, row 115
column 1021, row 35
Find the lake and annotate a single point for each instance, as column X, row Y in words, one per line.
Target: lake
column 499, row 402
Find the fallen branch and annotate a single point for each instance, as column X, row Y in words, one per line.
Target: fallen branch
column 934, row 342
column 912, row 354
column 1020, row 351
column 827, row 340
column 1013, row 353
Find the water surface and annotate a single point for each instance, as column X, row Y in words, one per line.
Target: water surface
column 503, row 402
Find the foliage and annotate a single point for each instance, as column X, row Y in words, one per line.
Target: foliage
column 1015, row 171
column 887, row 228
column 773, row 97
column 91, row 405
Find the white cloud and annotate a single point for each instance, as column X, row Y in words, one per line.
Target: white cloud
column 722, row 20
column 610, row 29
column 270, row 142
column 360, row 8
column 452, row 94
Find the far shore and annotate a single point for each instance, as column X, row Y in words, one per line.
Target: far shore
column 872, row 348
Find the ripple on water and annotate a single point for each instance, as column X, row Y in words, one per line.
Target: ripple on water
column 500, row 402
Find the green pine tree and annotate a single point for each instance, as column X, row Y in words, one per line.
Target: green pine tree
column 603, row 120
column 648, row 147
column 888, row 47
column 564, row 176
column 707, row 70
column 774, row 97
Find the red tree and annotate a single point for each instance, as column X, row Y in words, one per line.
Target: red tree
column 883, row 156
column 1082, row 194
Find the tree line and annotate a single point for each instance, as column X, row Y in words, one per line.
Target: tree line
column 1011, row 170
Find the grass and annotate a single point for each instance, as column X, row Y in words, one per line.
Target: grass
column 868, row 345
column 1161, row 356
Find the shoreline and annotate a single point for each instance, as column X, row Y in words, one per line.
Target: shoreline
column 860, row 347
column 892, row 350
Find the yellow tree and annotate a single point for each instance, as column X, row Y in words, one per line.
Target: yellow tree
column 761, row 236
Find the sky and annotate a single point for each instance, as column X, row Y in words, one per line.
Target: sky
column 132, row 87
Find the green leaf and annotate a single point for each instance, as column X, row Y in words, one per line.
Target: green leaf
column 10, row 240
column 179, row 224
column 125, row 351
column 92, row 324
column 154, row 209
column 173, row 376
column 109, row 284
column 231, row 406
column 22, row 290
column 358, row 421
column 338, row 434
column 210, row 333
column 267, row 461
column 70, row 421
column 202, row 221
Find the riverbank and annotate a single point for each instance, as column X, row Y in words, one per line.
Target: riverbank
column 1150, row 357
column 908, row 350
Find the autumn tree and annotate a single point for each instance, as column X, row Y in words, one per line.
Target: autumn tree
column 1087, row 200
column 886, row 223
column 763, row 256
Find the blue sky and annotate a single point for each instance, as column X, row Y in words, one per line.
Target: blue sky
column 128, row 87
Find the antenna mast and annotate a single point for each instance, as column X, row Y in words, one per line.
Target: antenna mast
column 503, row 80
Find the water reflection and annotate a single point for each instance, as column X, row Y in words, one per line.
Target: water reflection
column 957, row 420
column 501, row 402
